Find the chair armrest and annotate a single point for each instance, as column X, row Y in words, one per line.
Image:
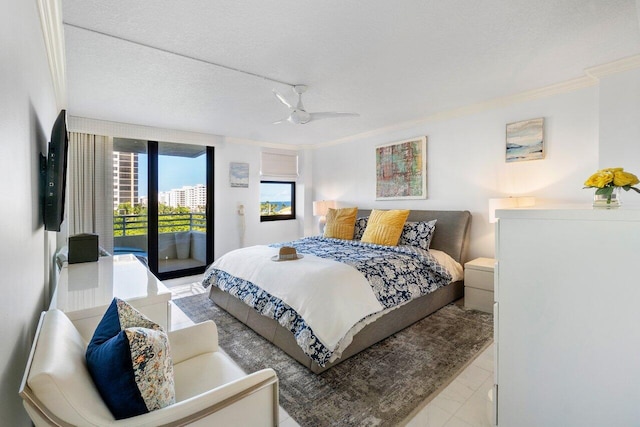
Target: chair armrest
column 193, row 341
column 261, row 387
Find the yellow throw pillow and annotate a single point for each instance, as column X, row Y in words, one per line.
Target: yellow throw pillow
column 340, row 223
column 385, row 227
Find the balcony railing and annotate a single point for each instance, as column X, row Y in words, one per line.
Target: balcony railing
column 136, row 225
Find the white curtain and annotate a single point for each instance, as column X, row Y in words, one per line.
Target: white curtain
column 90, row 174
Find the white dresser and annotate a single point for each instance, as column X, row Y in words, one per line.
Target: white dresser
column 567, row 317
column 85, row 291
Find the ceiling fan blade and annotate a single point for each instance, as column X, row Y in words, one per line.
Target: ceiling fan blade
column 299, row 116
column 331, row 115
column 282, row 99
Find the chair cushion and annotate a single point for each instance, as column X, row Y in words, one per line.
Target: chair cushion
column 130, row 363
column 203, row 373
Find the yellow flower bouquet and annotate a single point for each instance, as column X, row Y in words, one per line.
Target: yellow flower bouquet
column 607, row 180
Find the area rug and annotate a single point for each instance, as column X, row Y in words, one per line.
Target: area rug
column 381, row 386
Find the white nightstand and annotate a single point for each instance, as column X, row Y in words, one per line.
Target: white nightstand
column 478, row 284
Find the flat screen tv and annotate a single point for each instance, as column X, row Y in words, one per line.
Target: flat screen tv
column 55, row 175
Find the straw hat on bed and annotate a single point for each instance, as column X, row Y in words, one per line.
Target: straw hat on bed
column 286, row 253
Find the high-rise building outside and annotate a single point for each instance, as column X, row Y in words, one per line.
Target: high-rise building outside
column 196, row 197
column 125, row 178
column 192, row 197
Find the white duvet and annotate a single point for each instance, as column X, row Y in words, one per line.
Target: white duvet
column 333, row 298
column 311, row 286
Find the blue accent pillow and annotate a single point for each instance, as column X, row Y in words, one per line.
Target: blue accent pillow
column 130, row 363
column 418, row 234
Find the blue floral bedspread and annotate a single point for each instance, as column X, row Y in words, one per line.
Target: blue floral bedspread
column 397, row 274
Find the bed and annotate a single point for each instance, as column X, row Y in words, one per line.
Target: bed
column 451, row 237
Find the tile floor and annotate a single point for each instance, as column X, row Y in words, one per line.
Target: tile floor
column 463, row 403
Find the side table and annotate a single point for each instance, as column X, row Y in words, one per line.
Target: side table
column 478, row 284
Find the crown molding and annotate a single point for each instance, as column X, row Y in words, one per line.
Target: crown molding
column 619, row 66
column 558, row 88
column 591, row 78
column 53, row 33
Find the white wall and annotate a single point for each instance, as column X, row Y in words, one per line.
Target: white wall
column 27, row 112
column 466, row 162
column 620, row 122
column 227, row 222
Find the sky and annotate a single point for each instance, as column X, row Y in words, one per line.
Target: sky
column 173, row 171
column 275, row 192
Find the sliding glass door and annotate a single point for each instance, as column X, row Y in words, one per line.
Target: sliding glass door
column 182, row 200
column 163, row 201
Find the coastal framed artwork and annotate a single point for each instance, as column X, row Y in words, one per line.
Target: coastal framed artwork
column 401, row 169
column 239, row 175
column 525, row 140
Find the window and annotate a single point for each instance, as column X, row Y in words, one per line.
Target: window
column 277, row 200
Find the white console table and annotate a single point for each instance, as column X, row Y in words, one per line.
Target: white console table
column 85, row 291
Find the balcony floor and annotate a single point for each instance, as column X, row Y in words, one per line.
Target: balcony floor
column 165, row 265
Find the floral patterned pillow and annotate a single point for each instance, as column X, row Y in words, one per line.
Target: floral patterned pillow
column 130, row 362
column 417, row 234
column 361, row 225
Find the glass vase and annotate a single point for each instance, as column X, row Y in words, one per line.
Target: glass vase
column 603, row 201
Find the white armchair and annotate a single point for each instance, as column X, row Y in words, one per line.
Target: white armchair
column 210, row 389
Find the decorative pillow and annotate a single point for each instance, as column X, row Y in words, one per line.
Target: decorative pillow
column 340, row 223
column 418, row 234
column 358, row 229
column 130, row 363
column 385, row 227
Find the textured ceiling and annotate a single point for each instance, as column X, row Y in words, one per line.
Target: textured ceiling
column 392, row 62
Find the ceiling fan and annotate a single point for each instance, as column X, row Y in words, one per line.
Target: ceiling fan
column 299, row 116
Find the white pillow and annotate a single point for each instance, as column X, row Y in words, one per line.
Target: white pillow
column 455, row 269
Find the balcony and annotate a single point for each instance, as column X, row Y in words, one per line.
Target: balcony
column 181, row 239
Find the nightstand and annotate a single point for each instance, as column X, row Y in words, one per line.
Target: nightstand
column 478, row 284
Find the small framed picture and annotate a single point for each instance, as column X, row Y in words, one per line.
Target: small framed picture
column 525, row 140
column 239, row 175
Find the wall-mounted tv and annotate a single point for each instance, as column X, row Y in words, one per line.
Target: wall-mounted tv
column 55, row 175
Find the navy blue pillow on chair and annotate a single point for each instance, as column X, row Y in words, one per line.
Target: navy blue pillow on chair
column 130, row 363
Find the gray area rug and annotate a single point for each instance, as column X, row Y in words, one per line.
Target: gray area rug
column 381, row 386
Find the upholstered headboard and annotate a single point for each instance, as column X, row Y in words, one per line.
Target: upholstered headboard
column 452, row 230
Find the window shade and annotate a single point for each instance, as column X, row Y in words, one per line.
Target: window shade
column 279, row 164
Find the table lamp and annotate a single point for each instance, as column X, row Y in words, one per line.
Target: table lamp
column 320, row 208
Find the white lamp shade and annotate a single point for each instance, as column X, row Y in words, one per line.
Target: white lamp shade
column 508, row 203
column 321, row 207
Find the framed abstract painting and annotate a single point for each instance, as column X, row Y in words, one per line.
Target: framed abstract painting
column 401, row 169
